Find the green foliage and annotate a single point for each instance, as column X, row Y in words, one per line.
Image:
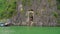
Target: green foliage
column 55, row 14
column 58, row 1
column 58, row 6
column 2, row 5
column 37, row 13
column 7, row 8
column 29, row 3
column 49, row 0
column 26, row 2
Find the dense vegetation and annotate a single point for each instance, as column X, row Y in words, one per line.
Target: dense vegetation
column 58, row 6
column 7, row 8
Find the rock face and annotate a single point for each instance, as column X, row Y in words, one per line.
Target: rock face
column 42, row 12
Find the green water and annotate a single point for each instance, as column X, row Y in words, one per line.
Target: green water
column 29, row 30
